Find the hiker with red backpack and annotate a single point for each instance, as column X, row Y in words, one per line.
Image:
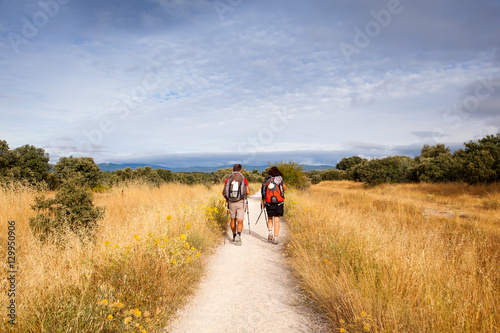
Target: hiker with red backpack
column 235, row 191
column 273, row 198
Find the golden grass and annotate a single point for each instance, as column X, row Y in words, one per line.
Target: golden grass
column 145, row 262
column 399, row 258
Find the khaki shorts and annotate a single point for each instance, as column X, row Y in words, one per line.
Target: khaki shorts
column 237, row 209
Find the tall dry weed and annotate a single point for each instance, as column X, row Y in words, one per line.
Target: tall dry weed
column 144, row 263
column 399, row 258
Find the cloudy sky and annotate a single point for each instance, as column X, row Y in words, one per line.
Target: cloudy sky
column 204, row 82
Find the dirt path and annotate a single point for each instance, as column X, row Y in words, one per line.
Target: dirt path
column 248, row 288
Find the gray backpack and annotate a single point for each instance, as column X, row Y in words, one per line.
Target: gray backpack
column 235, row 188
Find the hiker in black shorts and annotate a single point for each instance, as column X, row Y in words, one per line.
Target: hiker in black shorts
column 273, row 197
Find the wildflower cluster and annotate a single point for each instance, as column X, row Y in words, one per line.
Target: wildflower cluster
column 216, row 213
column 118, row 317
column 175, row 250
column 173, row 253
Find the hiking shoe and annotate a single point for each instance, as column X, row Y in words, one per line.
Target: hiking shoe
column 270, row 237
column 275, row 240
column 237, row 240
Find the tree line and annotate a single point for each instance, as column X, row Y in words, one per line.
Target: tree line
column 478, row 162
column 30, row 166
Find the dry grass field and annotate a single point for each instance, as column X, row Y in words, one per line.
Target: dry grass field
column 147, row 258
column 399, row 258
column 392, row 258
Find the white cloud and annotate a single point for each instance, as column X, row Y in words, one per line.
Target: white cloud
column 181, row 80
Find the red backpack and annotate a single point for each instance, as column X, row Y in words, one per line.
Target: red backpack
column 272, row 193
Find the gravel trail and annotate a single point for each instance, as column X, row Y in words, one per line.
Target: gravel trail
column 248, row 288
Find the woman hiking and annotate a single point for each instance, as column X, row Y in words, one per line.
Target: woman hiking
column 273, row 197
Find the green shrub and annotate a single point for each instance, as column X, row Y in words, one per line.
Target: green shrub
column 348, row 163
column 71, row 209
column 392, row 169
column 332, row 174
column 480, row 160
column 100, row 188
column 83, row 168
column 293, row 174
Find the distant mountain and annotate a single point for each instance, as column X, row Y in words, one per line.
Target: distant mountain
column 317, row 167
column 114, row 166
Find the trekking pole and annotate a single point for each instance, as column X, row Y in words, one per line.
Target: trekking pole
column 263, row 209
column 227, row 218
column 248, row 215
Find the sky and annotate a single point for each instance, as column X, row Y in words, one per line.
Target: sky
column 208, row 83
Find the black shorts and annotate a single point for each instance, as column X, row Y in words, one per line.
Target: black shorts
column 274, row 210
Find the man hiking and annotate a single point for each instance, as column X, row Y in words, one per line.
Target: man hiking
column 273, row 197
column 235, row 191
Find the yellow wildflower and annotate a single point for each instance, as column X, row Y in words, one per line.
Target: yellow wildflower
column 342, row 330
column 136, row 312
column 116, row 246
column 104, row 302
column 198, row 254
column 169, row 217
column 110, row 317
column 188, row 259
column 106, row 243
column 192, row 249
column 127, row 320
column 174, row 262
column 183, row 237
column 188, row 226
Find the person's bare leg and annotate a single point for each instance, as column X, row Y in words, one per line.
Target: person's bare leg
column 276, row 226
column 240, row 225
column 233, row 226
column 270, row 229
